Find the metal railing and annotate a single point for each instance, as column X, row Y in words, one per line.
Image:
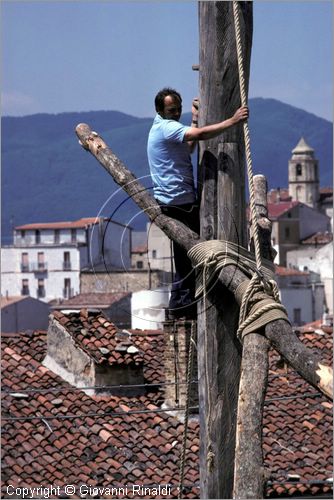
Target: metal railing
column 67, row 266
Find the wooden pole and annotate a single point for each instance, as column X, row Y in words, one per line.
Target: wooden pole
column 249, row 477
column 222, row 190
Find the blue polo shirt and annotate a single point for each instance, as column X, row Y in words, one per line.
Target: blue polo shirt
column 170, row 163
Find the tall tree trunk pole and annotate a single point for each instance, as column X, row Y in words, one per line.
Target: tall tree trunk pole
column 222, row 194
column 249, row 477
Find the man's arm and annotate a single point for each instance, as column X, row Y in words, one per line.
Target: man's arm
column 211, row 131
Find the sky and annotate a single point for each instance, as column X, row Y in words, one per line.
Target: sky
column 86, row 55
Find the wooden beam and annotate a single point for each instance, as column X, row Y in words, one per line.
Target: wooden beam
column 279, row 332
column 249, row 477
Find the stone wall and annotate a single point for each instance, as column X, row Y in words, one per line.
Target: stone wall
column 65, row 359
column 123, row 281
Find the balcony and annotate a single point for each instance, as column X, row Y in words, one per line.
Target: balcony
column 67, row 265
column 39, row 267
column 34, row 267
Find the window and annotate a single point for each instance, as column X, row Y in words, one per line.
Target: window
column 67, row 261
column 25, row 287
column 297, row 316
column 57, row 236
column 299, row 169
column 73, row 235
column 25, row 262
column 287, row 233
column 140, row 264
column 37, row 236
column 154, row 254
column 40, row 261
column 41, row 288
column 23, row 233
column 67, row 293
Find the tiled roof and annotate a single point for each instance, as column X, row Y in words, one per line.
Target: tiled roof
column 67, row 437
column 326, row 190
column 97, row 440
column 140, row 249
column 87, row 300
column 287, row 271
column 318, row 239
column 275, row 210
column 297, row 428
column 77, row 224
column 6, row 301
column 93, row 333
column 99, row 338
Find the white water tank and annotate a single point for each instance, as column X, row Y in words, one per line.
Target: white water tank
column 148, row 308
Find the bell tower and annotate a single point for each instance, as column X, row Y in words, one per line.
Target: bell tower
column 303, row 175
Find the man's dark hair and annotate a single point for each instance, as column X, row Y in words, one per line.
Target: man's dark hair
column 160, row 97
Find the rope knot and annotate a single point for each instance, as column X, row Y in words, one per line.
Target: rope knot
column 211, row 260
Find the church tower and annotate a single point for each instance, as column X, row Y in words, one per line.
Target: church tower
column 303, row 175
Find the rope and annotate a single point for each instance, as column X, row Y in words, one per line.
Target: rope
column 243, row 98
column 210, row 456
column 258, row 295
column 187, row 408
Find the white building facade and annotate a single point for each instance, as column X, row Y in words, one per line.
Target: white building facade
column 46, row 259
column 302, row 294
column 318, row 260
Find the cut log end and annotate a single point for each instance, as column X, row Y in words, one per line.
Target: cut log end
column 89, row 139
column 325, row 374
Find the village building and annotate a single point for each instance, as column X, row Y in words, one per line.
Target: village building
column 304, row 209
column 46, row 259
column 316, row 254
column 21, row 313
column 302, row 293
column 292, row 222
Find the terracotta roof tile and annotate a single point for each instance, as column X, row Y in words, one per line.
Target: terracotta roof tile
column 287, row 271
column 102, row 343
column 77, row 224
column 121, row 449
column 275, row 210
column 318, row 239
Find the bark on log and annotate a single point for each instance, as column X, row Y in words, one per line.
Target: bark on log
column 249, row 477
column 222, row 174
column 278, row 332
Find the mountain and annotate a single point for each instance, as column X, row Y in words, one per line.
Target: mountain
column 46, row 176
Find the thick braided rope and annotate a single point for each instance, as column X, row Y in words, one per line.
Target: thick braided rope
column 255, row 291
column 260, row 294
column 243, row 98
column 186, row 413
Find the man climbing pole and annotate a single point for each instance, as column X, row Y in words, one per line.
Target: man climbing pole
column 168, row 149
